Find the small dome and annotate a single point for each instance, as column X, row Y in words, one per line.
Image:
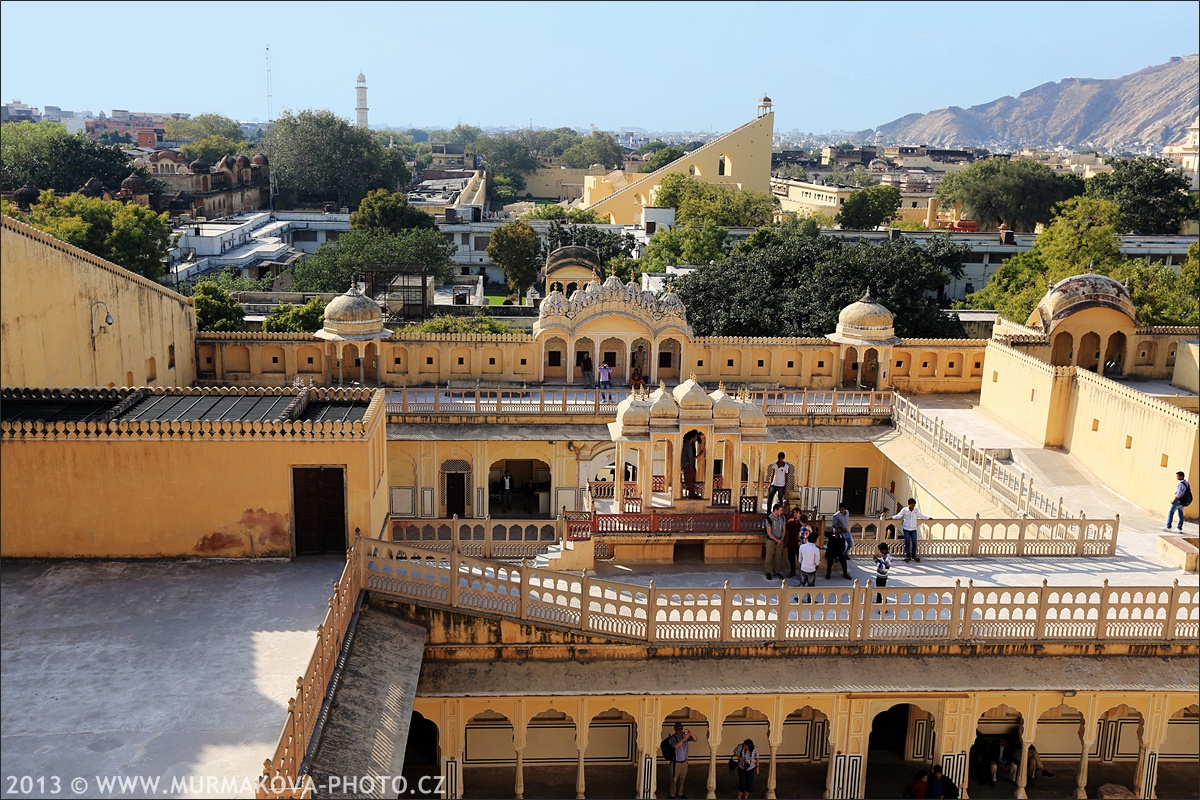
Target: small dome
column 633, row 414
column 724, row 406
column 92, row 188
column 260, row 160
column 362, row 78
column 353, row 315
column 226, row 163
column 633, row 288
column 751, row 415
column 765, row 99
column 691, row 397
column 134, row 184
column 26, row 196
column 199, row 165
column 555, row 303
column 242, row 162
column 1077, row 293
column 662, row 404
column 592, row 287
column 670, row 300
column 866, row 313
column 573, row 256
column 613, row 283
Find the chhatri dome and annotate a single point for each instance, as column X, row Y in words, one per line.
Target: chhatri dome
column 865, row 321
column 1077, row 293
column 352, row 317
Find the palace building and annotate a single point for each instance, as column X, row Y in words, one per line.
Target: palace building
column 533, row 596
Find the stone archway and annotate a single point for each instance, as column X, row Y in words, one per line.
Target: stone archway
column 698, row 752
column 611, row 759
column 548, row 755
column 1064, row 349
column 422, row 751
column 902, row 741
column 850, row 368
column 1114, row 355
column 489, row 767
column 1088, row 356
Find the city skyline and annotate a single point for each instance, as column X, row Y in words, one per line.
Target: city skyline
column 517, row 65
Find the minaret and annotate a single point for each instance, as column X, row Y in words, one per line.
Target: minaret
column 360, row 90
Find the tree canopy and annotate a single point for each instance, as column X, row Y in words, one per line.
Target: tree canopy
column 665, row 156
column 1152, row 197
column 211, row 148
column 45, row 155
column 307, row 318
column 607, row 245
column 454, row 324
column 595, row 148
column 335, row 265
column 798, row 284
column 685, row 244
column 580, row 216
column 388, row 211
column 126, row 234
column 867, row 209
column 1018, row 193
column 202, row 126
column 696, row 202
column 317, row 155
column 516, row 248
column 216, row 310
column 1083, row 238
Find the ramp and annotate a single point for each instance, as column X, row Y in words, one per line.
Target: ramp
column 952, row 489
column 367, row 732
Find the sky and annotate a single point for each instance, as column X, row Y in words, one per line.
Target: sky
column 658, row 66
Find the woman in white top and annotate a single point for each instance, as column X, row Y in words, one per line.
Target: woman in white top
column 747, row 759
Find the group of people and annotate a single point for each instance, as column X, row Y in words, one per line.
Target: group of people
column 506, row 494
column 933, row 784
column 745, row 761
column 637, row 368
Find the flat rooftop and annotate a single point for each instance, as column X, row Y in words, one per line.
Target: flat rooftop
column 177, row 408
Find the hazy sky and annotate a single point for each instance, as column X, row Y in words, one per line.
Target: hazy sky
column 659, row 66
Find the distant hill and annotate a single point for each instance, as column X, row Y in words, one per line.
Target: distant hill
column 1154, row 106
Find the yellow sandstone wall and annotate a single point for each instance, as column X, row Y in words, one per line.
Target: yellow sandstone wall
column 46, row 313
column 1017, row 388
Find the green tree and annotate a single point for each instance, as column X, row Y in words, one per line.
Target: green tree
column 798, row 285
column 685, row 245
column 202, row 126
column 129, row 235
column 606, row 244
column 505, row 154
column 793, row 171
column 579, row 216
column 1019, row 193
column 695, row 202
column 867, row 209
column 335, row 265
column 595, row 148
column 211, row 149
column 505, row 187
column 1153, row 198
column 317, row 155
column 388, row 211
column 308, row 318
column 453, row 324
column 516, row 248
column 216, row 310
column 560, row 141
column 45, row 155
column 116, row 137
column 652, row 147
column 856, row 175
column 231, row 280
column 665, row 156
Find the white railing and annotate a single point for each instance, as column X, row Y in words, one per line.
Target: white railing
column 826, row 613
column 1010, row 487
column 485, row 538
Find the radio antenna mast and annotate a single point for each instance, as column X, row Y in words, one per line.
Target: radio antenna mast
column 270, row 138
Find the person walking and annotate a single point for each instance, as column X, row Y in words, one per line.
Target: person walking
column 909, row 517
column 795, row 535
column 838, row 542
column 585, row 366
column 779, row 475
column 1182, row 499
column 606, row 394
column 506, row 487
column 747, row 767
column 883, row 563
column 679, row 767
column 776, row 529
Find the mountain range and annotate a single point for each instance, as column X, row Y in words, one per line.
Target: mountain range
column 1152, row 106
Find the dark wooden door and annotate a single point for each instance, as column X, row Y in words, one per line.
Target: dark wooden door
column 319, row 497
column 456, row 494
column 854, row 489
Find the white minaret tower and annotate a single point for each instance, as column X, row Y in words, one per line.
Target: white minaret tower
column 360, row 90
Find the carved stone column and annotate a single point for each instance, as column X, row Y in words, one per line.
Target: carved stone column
column 580, row 787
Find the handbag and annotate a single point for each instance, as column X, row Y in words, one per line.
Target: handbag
column 733, row 763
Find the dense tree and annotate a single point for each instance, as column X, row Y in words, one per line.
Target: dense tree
column 515, row 247
column 460, row 134
column 665, row 156
column 216, row 310
column 798, row 285
column 856, row 175
column 308, row 318
column 696, row 202
column 454, row 324
column 606, row 244
column 505, row 154
column 336, row 265
column 202, row 126
column 418, row 135
column 1083, row 238
column 388, row 211
column 231, row 280
column 211, row 148
column 128, row 235
column 1152, row 197
column 793, row 171
column 685, row 245
column 1018, row 193
column 595, row 148
column 580, row 216
column 505, row 187
column 652, row 147
column 317, row 155
column 45, row 155
column 867, row 209
column 117, row 138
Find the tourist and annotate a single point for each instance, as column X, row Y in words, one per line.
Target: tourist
column 795, row 535
column 585, row 366
column 908, row 523
column 810, row 560
column 635, row 379
column 506, row 487
column 919, row 785
column 883, row 563
column 606, row 394
column 778, row 480
column 679, row 767
column 1183, row 491
column 687, row 461
column 1034, row 765
column 776, row 529
column 639, row 359
column 835, row 550
column 531, row 498
column 747, row 763
column 941, row 786
column 1002, row 754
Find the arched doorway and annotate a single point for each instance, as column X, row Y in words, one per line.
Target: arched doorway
column 1059, row 745
column 639, row 357
column 1088, row 356
column 696, row 780
column 371, row 363
column 998, row 721
column 868, row 374
column 612, row 352
column 1176, row 772
column 584, row 346
column 611, row 759
column 1114, row 757
column 1114, row 355
column 662, row 475
column 669, row 360
column 523, row 502
column 850, row 367
column 902, row 741
column 693, row 442
column 550, row 757
column 422, row 752
column 738, row 726
column 489, row 767
column 456, row 488
column 1064, row 349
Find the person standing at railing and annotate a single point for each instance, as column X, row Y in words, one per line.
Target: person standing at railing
column 779, row 475
column 506, row 487
column 605, row 382
column 776, row 529
column 585, row 366
column 909, row 520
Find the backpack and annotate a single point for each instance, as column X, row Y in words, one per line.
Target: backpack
column 668, row 749
column 1186, row 498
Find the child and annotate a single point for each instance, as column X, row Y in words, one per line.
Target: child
column 883, row 563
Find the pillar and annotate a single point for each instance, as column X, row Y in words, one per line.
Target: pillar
column 519, row 782
column 1022, row 770
column 710, row 787
column 580, row 786
column 651, row 370
column 570, row 357
column 1082, row 776
column 771, row 772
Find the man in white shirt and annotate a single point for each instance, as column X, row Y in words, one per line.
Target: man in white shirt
column 779, row 475
column 809, row 559
column 908, row 523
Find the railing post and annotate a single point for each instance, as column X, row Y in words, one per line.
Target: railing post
column 1082, row 539
column 968, row 609
column 454, row 567
column 651, row 633
column 804, row 402
column 523, row 603
column 476, row 399
column 955, row 631
column 437, row 399
column 653, row 520
column 727, row 612
column 404, row 399
column 542, row 400
column 781, row 612
column 856, row 625
column 560, row 526
column 1112, row 546
column 1172, row 609
column 1039, row 630
column 973, row 548
column 833, row 403
column 1058, row 515
column 585, row 593
column 1102, row 617
column 764, row 402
